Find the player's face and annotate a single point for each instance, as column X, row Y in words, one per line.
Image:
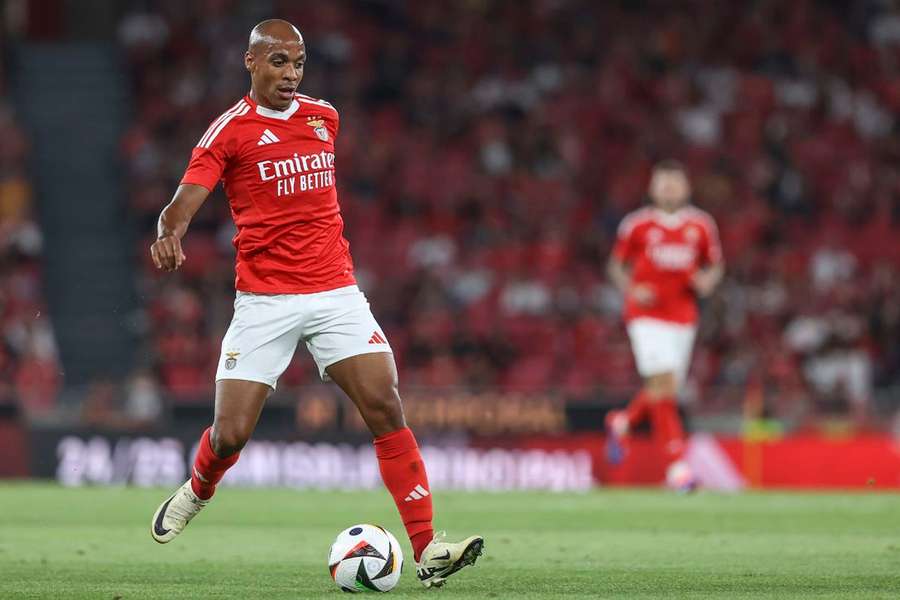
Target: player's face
column 276, row 72
column 669, row 190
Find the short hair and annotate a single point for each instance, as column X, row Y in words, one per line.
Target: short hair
column 670, row 164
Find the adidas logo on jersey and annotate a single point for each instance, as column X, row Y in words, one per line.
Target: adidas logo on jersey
column 417, row 494
column 377, row 339
column 267, row 137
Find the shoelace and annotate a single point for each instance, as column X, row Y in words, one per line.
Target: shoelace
column 438, row 537
column 184, row 511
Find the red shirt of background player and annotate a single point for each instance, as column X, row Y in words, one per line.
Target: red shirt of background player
column 278, row 173
column 664, row 250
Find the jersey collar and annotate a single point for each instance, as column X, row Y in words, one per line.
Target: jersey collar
column 281, row 115
column 670, row 220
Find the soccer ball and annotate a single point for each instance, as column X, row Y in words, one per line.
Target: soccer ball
column 365, row 558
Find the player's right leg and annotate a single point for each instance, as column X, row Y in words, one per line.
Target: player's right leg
column 257, row 348
column 238, row 404
column 620, row 423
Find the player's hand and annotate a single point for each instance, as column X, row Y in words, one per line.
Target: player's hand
column 166, row 253
column 643, row 294
column 704, row 283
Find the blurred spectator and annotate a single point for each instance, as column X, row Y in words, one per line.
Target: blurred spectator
column 136, row 404
column 29, row 368
column 143, row 403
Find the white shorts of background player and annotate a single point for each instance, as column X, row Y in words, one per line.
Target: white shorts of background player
column 662, row 347
column 266, row 328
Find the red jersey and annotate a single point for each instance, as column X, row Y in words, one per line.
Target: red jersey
column 664, row 250
column 277, row 170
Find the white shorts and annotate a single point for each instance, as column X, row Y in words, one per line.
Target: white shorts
column 661, row 347
column 266, row 329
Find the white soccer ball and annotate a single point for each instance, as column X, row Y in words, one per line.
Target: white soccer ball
column 365, row 558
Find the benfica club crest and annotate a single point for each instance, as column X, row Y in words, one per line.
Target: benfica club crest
column 318, row 126
column 691, row 234
column 231, row 361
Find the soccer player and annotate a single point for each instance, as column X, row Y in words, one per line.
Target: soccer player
column 274, row 151
column 665, row 257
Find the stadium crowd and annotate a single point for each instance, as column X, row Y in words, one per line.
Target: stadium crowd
column 488, row 151
column 29, row 369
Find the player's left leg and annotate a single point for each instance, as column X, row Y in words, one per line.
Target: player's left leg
column 350, row 348
column 662, row 393
column 666, row 420
column 370, row 380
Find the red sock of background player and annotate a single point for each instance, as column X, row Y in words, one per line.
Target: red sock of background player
column 208, row 468
column 637, row 410
column 667, row 429
column 404, row 476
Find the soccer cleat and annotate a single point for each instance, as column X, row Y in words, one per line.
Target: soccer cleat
column 617, row 423
column 680, row 477
column 175, row 513
column 617, row 429
column 442, row 559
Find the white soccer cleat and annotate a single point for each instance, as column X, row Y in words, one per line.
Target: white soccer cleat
column 175, row 513
column 617, row 423
column 442, row 559
column 680, row 477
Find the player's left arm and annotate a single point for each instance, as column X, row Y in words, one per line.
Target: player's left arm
column 707, row 278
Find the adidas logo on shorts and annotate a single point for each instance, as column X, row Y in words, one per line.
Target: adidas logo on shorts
column 377, row 339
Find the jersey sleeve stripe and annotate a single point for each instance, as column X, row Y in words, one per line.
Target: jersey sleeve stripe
column 316, row 102
column 209, row 140
column 219, row 120
column 631, row 221
column 217, row 129
column 225, row 115
column 712, row 233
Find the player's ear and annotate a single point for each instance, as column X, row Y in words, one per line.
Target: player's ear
column 248, row 60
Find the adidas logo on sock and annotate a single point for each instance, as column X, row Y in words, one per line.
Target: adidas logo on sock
column 377, row 339
column 417, row 494
column 267, row 137
column 199, row 476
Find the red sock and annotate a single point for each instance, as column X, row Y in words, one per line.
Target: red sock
column 667, row 429
column 637, row 410
column 404, row 476
column 208, row 468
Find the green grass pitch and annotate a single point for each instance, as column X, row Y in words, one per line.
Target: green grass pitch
column 94, row 543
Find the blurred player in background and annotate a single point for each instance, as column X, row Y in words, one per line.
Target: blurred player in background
column 665, row 257
column 274, row 152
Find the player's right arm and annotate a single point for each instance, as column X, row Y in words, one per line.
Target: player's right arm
column 173, row 223
column 617, row 268
column 619, row 273
column 208, row 160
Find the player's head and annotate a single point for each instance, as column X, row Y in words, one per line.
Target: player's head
column 275, row 58
column 670, row 188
